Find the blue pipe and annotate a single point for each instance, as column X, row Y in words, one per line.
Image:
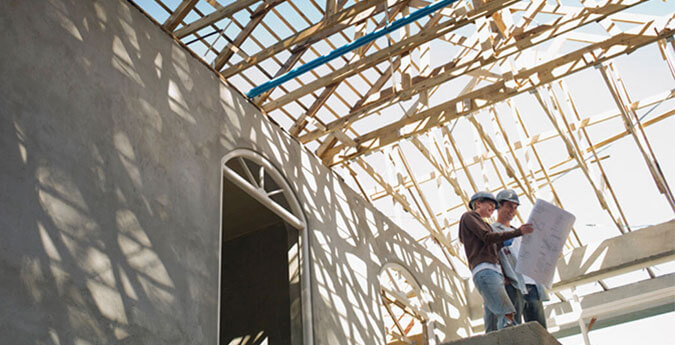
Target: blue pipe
column 347, row 48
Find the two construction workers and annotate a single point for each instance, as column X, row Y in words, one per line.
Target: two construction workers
column 492, row 251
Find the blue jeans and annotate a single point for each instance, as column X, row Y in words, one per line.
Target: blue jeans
column 533, row 309
column 496, row 301
column 516, row 298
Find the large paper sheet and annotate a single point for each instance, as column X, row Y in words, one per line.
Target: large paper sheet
column 539, row 250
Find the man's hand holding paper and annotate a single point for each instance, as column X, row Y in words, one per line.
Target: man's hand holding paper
column 540, row 249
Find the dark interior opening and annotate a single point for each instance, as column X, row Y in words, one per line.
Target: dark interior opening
column 254, row 290
column 260, row 287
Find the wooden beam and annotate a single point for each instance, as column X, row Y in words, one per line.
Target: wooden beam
column 350, row 16
column 507, row 166
column 456, row 67
column 257, row 17
column 440, row 169
column 217, row 15
column 527, row 79
column 396, row 322
column 179, row 14
column 556, row 197
column 523, row 176
column 616, row 306
column 331, row 7
column 404, row 203
column 426, row 204
column 301, row 122
column 352, row 173
column 399, row 48
column 632, row 121
column 290, row 62
column 573, row 151
column 528, row 140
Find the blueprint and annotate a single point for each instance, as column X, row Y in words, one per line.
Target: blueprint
column 539, row 251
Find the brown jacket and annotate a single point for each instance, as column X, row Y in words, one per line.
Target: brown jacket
column 481, row 244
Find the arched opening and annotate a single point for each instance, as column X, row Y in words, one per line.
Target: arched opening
column 264, row 284
column 404, row 308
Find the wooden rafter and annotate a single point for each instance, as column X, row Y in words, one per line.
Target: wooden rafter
column 495, row 50
column 257, row 17
column 399, row 48
column 462, row 65
column 179, row 14
column 301, row 122
column 210, row 19
column 632, row 123
column 331, row 25
column 528, row 80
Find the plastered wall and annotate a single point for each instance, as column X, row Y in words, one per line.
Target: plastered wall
column 111, row 138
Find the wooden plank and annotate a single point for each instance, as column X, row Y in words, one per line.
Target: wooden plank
column 426, row 204
column 217, row 15
column 451, row 70
column 331, row 7
column 179, row 14
column 257, row 17
column 631, row 251
column 290, row 62
column 530, row 191
column 402, row 201
column 550, row 108
column 300, row 124
column 444, row 171
column 336, row 23
column 507, row 166
column 527, row 79
column 399, row 48
column 631, row 120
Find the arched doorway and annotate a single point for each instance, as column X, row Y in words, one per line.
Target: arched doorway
column 264, row 291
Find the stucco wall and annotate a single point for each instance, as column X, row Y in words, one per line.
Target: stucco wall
column 111, row 137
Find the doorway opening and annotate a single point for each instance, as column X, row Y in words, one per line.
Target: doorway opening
column 264, row 292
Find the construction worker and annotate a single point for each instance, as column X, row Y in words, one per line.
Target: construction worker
column 481, row 246
column 525, row 294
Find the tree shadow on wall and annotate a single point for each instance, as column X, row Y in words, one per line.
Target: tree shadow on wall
column 109, row 217
column 112, row 136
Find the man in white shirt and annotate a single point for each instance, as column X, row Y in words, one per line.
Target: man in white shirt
column 525, row 294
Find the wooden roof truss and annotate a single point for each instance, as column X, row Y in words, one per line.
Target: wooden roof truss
column 387, row 105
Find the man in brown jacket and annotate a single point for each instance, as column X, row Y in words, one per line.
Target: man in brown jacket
column 481, row 246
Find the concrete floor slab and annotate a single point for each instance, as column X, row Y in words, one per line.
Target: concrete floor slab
column 530, row 333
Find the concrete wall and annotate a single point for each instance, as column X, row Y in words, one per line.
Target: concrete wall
column 111, row 137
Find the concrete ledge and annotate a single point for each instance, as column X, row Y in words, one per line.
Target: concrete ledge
column 622, row 304
column 530, row 333
column 629, row 252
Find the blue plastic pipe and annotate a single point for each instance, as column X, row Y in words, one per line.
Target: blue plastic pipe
column 347, row 48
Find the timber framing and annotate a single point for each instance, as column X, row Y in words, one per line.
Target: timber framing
column 446, row 103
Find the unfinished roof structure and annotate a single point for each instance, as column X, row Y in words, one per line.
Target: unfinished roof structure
column 570, row 101
column 477, row 95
